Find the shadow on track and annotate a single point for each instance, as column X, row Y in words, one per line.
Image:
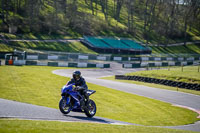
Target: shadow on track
column 94, row 119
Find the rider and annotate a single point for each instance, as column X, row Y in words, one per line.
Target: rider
column 80, row 85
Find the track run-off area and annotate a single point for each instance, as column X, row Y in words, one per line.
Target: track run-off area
column 13, row 109
column 180, row 99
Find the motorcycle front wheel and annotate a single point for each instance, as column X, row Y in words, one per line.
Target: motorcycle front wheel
column 64, row 107
column 91, row 108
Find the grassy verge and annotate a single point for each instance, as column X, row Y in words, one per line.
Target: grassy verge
column 37, row 85
column 188, row 74
column 154, row 85
column 25, row 126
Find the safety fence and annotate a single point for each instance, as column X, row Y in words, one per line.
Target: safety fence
column 61, row 64
column 78, row 56
column 159, row 64
column 155, row 58
column 67, row 57
column 105, row 57
column 191, row 86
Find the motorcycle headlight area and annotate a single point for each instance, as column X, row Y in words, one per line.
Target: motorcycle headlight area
column 62, row 88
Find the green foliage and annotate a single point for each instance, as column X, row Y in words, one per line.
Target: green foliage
column 23, row 84
column 78, row 18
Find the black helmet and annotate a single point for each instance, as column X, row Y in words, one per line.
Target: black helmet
column 76, row 75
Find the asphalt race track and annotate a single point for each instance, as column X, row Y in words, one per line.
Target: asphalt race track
column 13, row 109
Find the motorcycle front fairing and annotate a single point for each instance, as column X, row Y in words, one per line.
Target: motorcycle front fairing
column 68, row 90
column 76, row 106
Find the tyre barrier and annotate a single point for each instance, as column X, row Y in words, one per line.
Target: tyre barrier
column 60, row 64
column 191, row 86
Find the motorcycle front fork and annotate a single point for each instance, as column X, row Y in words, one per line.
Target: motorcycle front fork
column 68, row 100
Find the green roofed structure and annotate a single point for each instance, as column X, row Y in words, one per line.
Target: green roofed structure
column 96, row 42
column 114, row 45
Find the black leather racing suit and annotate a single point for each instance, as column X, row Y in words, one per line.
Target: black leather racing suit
column 82, row 85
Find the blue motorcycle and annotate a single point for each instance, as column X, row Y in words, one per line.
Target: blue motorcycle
column 72, row 100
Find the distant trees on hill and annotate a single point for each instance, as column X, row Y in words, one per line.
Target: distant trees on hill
column 170, row 18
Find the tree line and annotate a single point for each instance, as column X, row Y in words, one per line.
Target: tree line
column 169, row 18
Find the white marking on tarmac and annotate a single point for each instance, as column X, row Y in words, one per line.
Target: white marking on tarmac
column 197, row 111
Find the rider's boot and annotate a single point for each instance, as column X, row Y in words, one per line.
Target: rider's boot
column 82, row 103
column 86, row 98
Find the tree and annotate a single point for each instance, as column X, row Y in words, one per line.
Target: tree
column 118, row 9
column 186, row 17
column 104, row 8
column 149, row 17
column 64, row 6
column 130, row 10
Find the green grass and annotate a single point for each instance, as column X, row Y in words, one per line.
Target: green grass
column 36, row 36
column 37, row 85
column 25, row 126
column 187, row 49
column 154, row 85
column 189, row 74
column 79, row 47
column 5, row 48
column 74, row 47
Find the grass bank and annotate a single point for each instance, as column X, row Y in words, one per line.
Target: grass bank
column 37, row 85
column 37, row 36
column 190, row 74
column 184, row 49
column 73, row 47
column 79, row 47
column 25, row 126
column 154, row 85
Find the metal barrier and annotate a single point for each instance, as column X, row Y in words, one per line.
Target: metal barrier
column 159, row 64
column 61, row 64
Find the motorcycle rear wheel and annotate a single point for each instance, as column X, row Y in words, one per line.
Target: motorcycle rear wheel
column 91, row 108
column 64, row 108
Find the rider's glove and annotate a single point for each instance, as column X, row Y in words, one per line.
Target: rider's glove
column 78, row 88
